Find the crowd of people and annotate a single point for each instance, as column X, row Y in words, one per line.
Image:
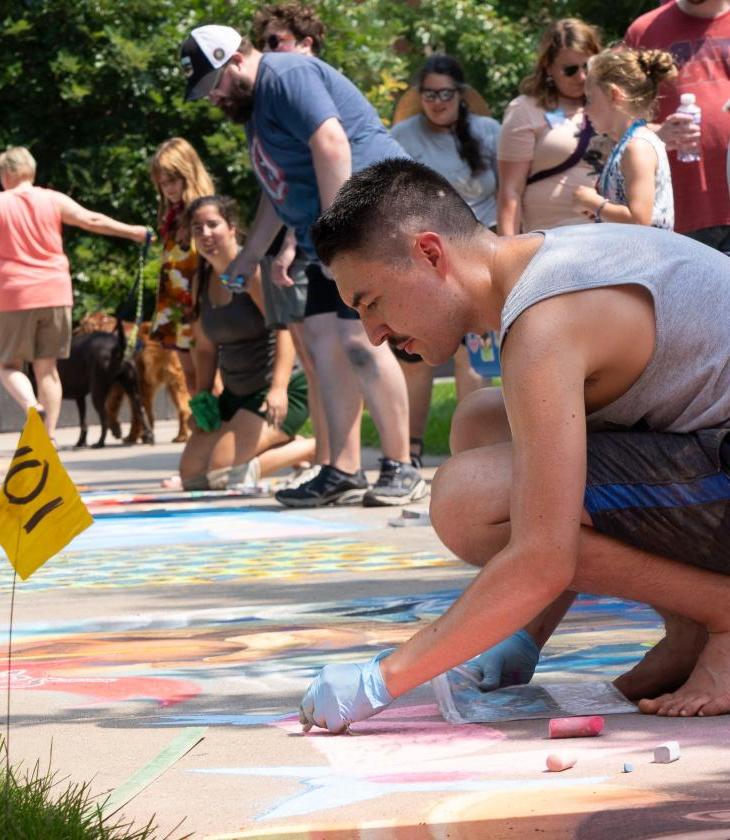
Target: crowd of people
column 374, row 252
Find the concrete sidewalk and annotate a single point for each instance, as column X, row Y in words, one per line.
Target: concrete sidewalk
column 167, row 623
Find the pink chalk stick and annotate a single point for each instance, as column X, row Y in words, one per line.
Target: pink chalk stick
column 575, row 727
column 556, row 762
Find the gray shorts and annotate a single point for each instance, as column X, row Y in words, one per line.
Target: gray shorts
column 284, row 306
column 29, row 334
column 668, row 494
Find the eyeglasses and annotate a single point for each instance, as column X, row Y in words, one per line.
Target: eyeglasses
column 442, row 94
column 571, row 69
column 274, row 41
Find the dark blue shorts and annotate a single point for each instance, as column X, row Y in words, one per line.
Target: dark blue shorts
column 668, row 494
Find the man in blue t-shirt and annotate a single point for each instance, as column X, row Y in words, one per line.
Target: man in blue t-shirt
column 308, row 129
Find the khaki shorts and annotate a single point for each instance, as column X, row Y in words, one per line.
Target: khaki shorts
column 29, row 334
column 284, row 306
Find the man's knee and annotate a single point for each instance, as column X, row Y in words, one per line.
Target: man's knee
column 360, row 353
column 480, row 419
column 467, row 514
column 358, row 356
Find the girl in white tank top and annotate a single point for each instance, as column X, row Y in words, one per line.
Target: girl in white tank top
column 635, row 186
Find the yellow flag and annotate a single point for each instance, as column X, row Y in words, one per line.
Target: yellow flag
column 40, row 508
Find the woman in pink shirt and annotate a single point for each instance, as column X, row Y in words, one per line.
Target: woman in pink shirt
column 35, row 282
column 545, row 137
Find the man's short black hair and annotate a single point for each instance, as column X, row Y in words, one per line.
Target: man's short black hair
column 376, row 204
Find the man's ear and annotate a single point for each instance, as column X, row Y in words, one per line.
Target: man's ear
column 429, row 246
column 307, row 41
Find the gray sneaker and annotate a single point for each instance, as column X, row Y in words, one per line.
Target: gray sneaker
column 329, row 487
column 398, row 484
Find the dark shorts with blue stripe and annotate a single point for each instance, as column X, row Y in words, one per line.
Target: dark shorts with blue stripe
column 668, row 494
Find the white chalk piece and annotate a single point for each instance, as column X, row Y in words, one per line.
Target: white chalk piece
column 666, row 753
column 628, row 767
column 557, row 762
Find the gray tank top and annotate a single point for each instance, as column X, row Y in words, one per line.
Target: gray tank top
column 246, row 349
column 686, row 385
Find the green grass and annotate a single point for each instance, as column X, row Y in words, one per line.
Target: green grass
column 37, row 804
column 436, row 440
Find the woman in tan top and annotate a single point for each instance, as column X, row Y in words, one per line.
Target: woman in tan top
column 544, row 139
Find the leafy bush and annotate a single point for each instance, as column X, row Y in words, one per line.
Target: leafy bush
column 93, row 88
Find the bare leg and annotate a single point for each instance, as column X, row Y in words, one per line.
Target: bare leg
column 17, row 384
column 113, row 406
column 50, row 392
column 466, row 378
column 680, row 590
column 470, row 511
column 187, row 363
column 292, row 452
column 340, row 390
column 419, row 383
column 668, row 664
column 314, row 396
column 383, row 385
column 480, row 419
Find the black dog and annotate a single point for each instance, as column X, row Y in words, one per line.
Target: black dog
column 96, row 362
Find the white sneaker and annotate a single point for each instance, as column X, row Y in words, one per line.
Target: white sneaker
column 245, row 476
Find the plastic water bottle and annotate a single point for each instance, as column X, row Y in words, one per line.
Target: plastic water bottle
column 687, row 106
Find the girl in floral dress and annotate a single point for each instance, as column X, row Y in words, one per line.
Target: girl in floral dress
column 179, row 177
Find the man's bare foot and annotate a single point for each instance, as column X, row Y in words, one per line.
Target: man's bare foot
column 706, row 692
column 667, row 665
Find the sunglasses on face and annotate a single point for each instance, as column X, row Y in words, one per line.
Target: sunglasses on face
column 571, row 69
column 273, row 41
column 442, row 94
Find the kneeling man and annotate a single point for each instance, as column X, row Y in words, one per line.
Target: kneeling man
column 605, row 465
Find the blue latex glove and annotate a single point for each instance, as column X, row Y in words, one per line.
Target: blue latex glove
column 511, row 662
column 342, row 694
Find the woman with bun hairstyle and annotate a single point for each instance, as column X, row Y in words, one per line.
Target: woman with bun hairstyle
column 635, row 186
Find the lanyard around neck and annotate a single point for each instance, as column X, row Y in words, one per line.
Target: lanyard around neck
column 616, row 152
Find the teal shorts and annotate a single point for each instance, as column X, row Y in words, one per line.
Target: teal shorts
column 229, row 403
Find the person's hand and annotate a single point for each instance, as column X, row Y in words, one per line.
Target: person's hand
column 276, row 406
column 140, row 234
column 342, row 694
column 586, row 200
column 237, row 272
column 280, row 272
column 511, row 662
column 679, row 132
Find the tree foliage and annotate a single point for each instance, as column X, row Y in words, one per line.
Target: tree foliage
column 93, row 86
